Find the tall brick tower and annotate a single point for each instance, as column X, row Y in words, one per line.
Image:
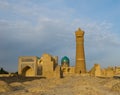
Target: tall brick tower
column 80, row 66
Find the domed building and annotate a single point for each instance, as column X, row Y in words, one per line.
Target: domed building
column 65, row 66
column 65, row 62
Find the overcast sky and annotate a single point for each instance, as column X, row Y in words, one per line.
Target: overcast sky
column 34, row 27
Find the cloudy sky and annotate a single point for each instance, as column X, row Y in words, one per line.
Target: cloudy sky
column 34, row 27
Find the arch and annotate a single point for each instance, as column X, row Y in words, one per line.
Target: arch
column 39, row 69
column 64, row 69
column 68, row 70
column 80, row 71
column 28, row 71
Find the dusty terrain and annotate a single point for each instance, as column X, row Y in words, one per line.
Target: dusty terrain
column 71, row 85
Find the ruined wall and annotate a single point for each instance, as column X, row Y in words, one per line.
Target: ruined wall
column 106, row 72
column 96, row 70
column 50, row 68
column 27, row 66
column 68, row 71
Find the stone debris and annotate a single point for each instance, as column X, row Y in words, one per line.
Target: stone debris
column 70, row 85
column 116, row 87
column 4, row 87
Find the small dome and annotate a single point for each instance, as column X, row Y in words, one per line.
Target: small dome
column 65, row 59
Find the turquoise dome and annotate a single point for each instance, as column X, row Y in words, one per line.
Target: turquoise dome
column 65, row 59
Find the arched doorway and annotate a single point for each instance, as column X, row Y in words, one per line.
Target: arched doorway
column 28, row 71
column 40, row 67
column 39, row 70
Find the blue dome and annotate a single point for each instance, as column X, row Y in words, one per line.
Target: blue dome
column 65, row 59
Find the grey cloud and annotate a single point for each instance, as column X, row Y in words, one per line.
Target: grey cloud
column 4, row 4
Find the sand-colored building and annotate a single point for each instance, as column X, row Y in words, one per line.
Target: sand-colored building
column 80, row 66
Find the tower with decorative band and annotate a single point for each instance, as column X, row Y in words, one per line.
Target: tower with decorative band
column 80, row 66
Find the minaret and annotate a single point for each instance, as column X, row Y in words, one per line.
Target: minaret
column 80, row 66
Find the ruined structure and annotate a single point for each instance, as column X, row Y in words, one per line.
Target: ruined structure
column 97, row 71
column 80, row 66
column 47, row 65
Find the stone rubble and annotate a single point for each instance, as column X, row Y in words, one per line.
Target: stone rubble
column 70, row 85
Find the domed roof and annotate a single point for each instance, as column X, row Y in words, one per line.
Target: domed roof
column 65, row 59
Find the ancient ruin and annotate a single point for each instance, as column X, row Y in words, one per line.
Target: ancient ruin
column 47, row 65
column 97, row 71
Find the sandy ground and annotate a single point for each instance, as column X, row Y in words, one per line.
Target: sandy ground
column 71, row 85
